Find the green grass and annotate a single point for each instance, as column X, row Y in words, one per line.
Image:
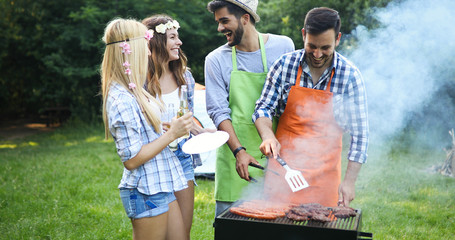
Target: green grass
column 402, row 199
column 63, row 185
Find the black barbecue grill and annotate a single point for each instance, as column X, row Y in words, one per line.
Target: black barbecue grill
column 229, row 226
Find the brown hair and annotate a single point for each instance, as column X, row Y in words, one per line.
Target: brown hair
column 319, row 20
column 160, row 56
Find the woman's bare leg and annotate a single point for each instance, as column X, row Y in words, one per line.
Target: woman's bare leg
column 175, row 226
column 150, row 228
column 185, row 199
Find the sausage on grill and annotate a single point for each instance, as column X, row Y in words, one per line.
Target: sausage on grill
column 260, row 209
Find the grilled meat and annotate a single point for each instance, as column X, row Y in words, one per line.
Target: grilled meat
column 343, row 212
column 311, row 211
column 297, row 217
column 261, row 209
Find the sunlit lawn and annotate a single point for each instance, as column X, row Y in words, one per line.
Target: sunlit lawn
column 63, row 185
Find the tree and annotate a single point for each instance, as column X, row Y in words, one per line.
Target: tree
column 287, row 17
column 52, row 49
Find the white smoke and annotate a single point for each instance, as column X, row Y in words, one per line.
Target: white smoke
column 405, row 61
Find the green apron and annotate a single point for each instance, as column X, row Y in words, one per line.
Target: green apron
column 244, row 90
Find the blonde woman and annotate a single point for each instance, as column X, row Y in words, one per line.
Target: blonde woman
column 168, row 71
column 152, row 173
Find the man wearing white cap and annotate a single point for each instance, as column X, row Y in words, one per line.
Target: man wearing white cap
column 234, row 76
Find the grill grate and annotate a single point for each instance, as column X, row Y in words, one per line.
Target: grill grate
column 351, row 223
column 232, row 226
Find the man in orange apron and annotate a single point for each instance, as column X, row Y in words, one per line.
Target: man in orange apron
column 317, row 94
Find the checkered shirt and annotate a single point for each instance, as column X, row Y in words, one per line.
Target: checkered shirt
column 349, row 96
column 131, row 131
column 191, row 84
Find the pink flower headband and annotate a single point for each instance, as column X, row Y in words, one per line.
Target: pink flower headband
column 148, row 35
column 126, row 49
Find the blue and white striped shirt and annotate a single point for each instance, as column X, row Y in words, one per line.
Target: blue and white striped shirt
column 131, row 131
column 349, row 96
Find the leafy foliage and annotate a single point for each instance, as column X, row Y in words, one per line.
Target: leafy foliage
column 287, row 17
column 52, row 49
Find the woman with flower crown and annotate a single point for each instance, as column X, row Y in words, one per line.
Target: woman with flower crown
column 152, row 173
column 168, row 72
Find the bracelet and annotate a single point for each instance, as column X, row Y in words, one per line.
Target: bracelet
column 237, row 150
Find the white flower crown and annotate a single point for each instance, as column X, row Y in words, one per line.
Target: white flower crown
column 169, row 25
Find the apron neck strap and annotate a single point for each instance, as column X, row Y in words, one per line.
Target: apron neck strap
column 330, row 81
column 263, row 56
column 299, row 73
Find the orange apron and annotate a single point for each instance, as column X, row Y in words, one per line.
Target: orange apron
column 311, row 142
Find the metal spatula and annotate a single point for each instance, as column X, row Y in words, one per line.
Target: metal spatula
column 294, row 178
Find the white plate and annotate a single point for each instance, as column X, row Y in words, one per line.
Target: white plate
column 205, row 142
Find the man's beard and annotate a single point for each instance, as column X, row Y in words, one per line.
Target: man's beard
column 238, row 34
column 310, row 61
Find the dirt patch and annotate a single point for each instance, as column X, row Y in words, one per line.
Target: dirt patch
column 15, row 129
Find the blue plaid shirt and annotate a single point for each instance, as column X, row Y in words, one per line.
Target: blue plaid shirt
column 349, row 96
column 131, row 131
column 191, row 84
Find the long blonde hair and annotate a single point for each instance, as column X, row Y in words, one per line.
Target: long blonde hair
column 112, row 69
column 160, row 56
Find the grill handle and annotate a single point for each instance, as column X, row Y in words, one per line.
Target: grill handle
column 365, row 236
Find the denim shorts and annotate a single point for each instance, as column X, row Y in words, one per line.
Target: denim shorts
column 138, row 205
column 186, row 161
